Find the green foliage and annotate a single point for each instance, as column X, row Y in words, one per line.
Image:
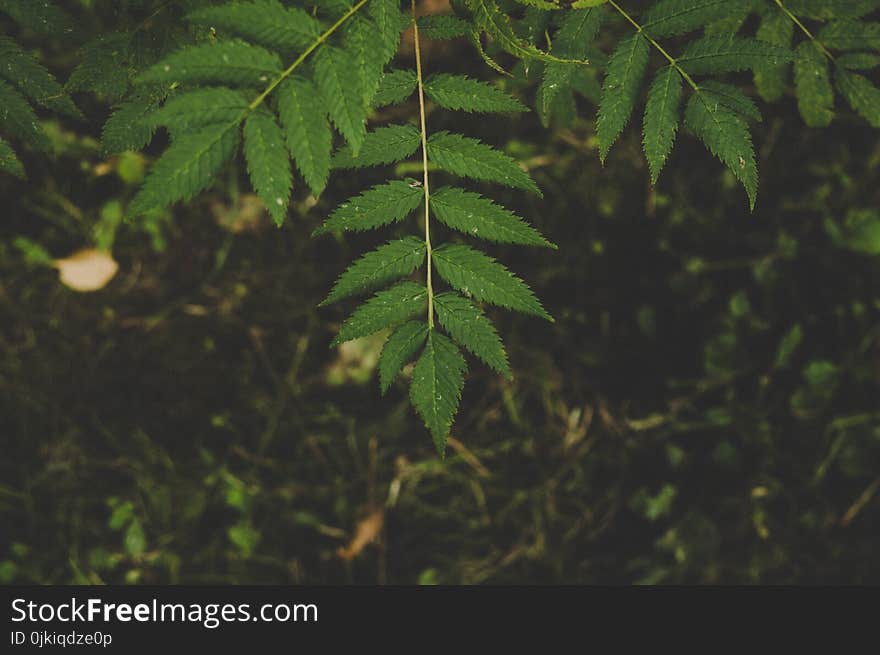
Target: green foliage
column 24, row 79
column 469, row 157
column 626, row 69
column 459, row 92
column 661, row 118
column 283, row 109
column 438, row 379
column 438, row 375
column 268, row 162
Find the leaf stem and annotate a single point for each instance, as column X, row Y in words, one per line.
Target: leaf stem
column 672, row 61
column 803, row 28
column 299, row 60
column 424, row 131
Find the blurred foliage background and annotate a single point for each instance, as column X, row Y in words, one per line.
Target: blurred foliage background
column 705, row 409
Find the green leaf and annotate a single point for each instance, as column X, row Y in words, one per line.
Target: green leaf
column 128, row 127
column 361, row 38
column 40, row 16
column 731, row 97
column 268, row 163
column 395, row 87
column 394, row 260
column 728, row 54
column 459, row 92
column 661, row 118
column 443, row 27
column 489, row 18
column 770, row 79
column 381, row 205
column 673, row 17
column 812, row 78
column 477, row 216
column 850, row 35
column 103, row 66
column 477, row 275
column 576, row 32
column 390, row 23
column 199, row 108
column 18, row 119
column 829, row 9
column 859, row 61
column 9, row 162
column 265, row 22
column 726, row 135
column 438, row 379
column 187, row 167
column 338, row 81
column 468, row 326
column 34, row 80
column 385, row 309
column 470, row 158
column 306, row 130
column 399, row 349
column 384, row 145
column 625, row 71
column 225, row 62
column 862, row 96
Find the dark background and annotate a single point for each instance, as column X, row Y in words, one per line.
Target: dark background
column 704, row 410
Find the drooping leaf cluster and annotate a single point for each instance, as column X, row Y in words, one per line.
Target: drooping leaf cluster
column 428, row 325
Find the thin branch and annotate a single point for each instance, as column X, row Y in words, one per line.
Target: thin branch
column 803, row 28
column 424, row 131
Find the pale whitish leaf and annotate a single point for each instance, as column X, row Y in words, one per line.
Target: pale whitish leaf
column 339, row 84
column 187, row 167
column 662, row 113
column 384, row 145
column 572, row 41
column 438, row 379
column 394, row 260
column 770, row 79
column 727, row 54
column 477, row 275
column 265, row 22
column 399, row 349
column 199, row 107
column 268, row 163
column 727, row 136
column 443, row 27
column 381, row 205
column 812, row 78
column 9, row 162
column 87, row 270
column 732, row 98
column 395, row 87
column 468, row 326
column 17, row 118
column 391, row 22
column 306, row 130
column 673, row 17
column 225, row 62
column 479, row 217
column 459, row 92
column 862, row 96
column 623, row 79
column 385, row 309
column 33, row 79
column 470, row 158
